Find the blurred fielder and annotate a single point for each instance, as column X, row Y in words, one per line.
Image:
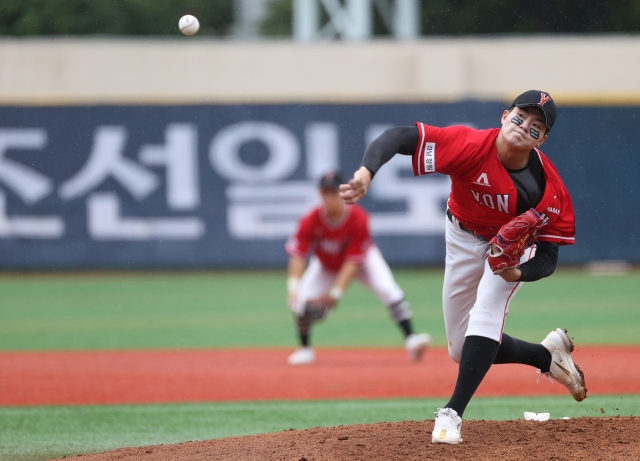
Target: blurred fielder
column 338, row 235
column 508, row 213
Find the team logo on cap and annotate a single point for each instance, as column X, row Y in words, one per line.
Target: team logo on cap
column 544, row 98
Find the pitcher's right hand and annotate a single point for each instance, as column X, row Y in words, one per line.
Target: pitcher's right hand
column 357, row 187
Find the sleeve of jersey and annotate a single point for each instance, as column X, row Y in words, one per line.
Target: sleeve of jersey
column 563, row 230
column 298, row 244
column 360, row 241
column 439, row 150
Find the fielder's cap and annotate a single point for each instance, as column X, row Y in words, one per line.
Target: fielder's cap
column 331, row 180
column 539, row 99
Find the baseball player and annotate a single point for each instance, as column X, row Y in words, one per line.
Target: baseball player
column 338, row 235
column 508, row 213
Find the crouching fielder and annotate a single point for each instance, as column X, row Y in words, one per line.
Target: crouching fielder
column 338, row 235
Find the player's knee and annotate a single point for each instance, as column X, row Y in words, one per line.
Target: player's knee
column 455, row 353
column 400, row 311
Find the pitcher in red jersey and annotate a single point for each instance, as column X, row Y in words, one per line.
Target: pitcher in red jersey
column 496, row 175
column 338, row 237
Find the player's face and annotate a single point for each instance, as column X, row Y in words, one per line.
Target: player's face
column 524, row 127
column 331, row 200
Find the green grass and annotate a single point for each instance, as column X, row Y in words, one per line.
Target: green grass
column 36, row 433
column 247, row 309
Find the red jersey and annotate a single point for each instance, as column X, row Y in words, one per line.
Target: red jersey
column 483, row 196
column 348, row 239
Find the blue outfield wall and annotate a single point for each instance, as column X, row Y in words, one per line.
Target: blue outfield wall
column 223, row 186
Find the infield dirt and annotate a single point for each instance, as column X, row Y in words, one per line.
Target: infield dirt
column 126, row 377
column 575, row 439
column 36, row 378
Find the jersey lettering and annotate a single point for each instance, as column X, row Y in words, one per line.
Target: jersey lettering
column 429, row 157
column 482, row 180
column 545, row 219
column 553, row 210
column 330, row 246
column 503, row 203
column 488, row 201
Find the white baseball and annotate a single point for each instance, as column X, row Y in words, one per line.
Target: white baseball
column 188, row 24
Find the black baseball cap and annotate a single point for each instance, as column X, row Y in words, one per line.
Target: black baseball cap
column 539, row 99
column 331, row 180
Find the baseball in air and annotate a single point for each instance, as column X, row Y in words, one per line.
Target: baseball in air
column 188, row 24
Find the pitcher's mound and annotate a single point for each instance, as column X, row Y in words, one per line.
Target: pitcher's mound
column 574, row 439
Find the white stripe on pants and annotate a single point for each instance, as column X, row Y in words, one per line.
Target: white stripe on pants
column 475, row 302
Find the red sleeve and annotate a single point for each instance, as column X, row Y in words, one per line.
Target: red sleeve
column 446, row 150
column 563, row 229
column 360, row 238
column 299, row 243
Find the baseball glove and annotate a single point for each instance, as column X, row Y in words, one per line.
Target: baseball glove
column 319, row 308
column 512, row 239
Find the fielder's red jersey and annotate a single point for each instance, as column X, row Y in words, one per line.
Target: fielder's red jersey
column 348, row 239
column 483, row 196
